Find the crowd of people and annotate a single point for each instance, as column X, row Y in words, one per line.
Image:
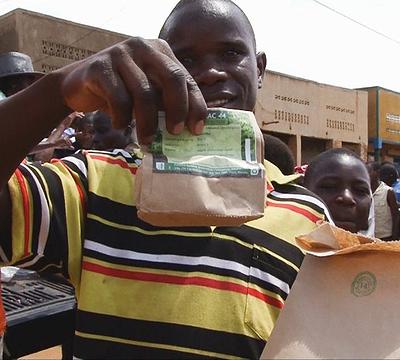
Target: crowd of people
column 144, row 291
column 77, row 131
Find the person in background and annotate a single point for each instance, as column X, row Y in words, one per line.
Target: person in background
column 16, row 72
column 56, row 141
column 105, row 137
column 80, row 133
column 84, row 132
column 146, row 291
column 390, row 176
column 385, row 204
column 388, row 173
column 279, row 154
column 340, row 178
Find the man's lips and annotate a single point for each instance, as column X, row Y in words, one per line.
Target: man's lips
column 217, row 103
column 221, row 98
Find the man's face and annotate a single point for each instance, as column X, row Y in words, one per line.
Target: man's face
column 343, row 184
column 85, row 135
column 14, row 84
column 217, row 48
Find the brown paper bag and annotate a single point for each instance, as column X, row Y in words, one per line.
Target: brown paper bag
column 344, row 303
column 194, row 192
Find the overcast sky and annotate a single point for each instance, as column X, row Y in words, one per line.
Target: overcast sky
column 300, row 37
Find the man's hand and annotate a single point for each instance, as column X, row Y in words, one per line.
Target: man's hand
column 66, row 123
column 68, row 120
column 136, row 79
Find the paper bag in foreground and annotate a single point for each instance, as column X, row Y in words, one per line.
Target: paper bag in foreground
column 345, row 302
column 216, row 178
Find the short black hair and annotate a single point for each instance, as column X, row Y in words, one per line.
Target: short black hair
column 80, row 122
column 183, row 3
column 99, row 115
column 322, row 158
column 374, row 165
column 388, row 173
column 278, row 153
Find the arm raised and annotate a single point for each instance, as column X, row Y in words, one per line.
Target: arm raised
column 133, row 79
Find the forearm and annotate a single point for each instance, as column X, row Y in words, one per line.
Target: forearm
column 135, row 71
column 26, row 118
column 43, row 146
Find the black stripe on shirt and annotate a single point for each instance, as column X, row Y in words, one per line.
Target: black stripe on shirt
column 201, row 268
column 266, row 240
column 169, row 334
column 41, row 265
column 104, row 349
column 35, row 207
column 310, row 205
column 129, row 157
column 206, row 269
column 166, row 243
column 57, row 243
column 294, row 190
column 76, row 169
column 126, row 215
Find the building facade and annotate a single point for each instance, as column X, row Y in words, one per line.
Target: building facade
column 383, row 124
column 312, row 117
column 51, row 42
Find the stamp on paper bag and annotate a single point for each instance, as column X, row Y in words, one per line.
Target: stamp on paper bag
column 363, row 284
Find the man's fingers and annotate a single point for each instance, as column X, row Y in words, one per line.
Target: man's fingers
column 74, row 134
column 174, row 95
column 136, row 74
column 197, row 108
column 95, row 86
column 144, row 96
column 181, row 97
column 117, row 99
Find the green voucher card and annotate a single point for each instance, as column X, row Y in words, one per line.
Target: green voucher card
column 226, row 147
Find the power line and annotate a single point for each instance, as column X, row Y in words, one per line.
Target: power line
column 357, row 22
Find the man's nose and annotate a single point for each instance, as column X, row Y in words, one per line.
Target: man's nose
column 346, row 197
column 209, row 72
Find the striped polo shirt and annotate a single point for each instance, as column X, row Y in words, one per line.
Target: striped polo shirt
column 149, row 292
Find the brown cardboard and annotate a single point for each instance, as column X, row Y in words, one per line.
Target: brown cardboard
column 343, row 304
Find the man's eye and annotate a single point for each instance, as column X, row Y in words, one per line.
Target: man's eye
column 232, row 53
column 328, row 185
column 362, row 191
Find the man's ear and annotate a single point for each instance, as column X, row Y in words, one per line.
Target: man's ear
column 261, row 64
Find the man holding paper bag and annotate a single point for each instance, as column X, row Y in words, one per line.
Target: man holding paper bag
column 142, row 290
